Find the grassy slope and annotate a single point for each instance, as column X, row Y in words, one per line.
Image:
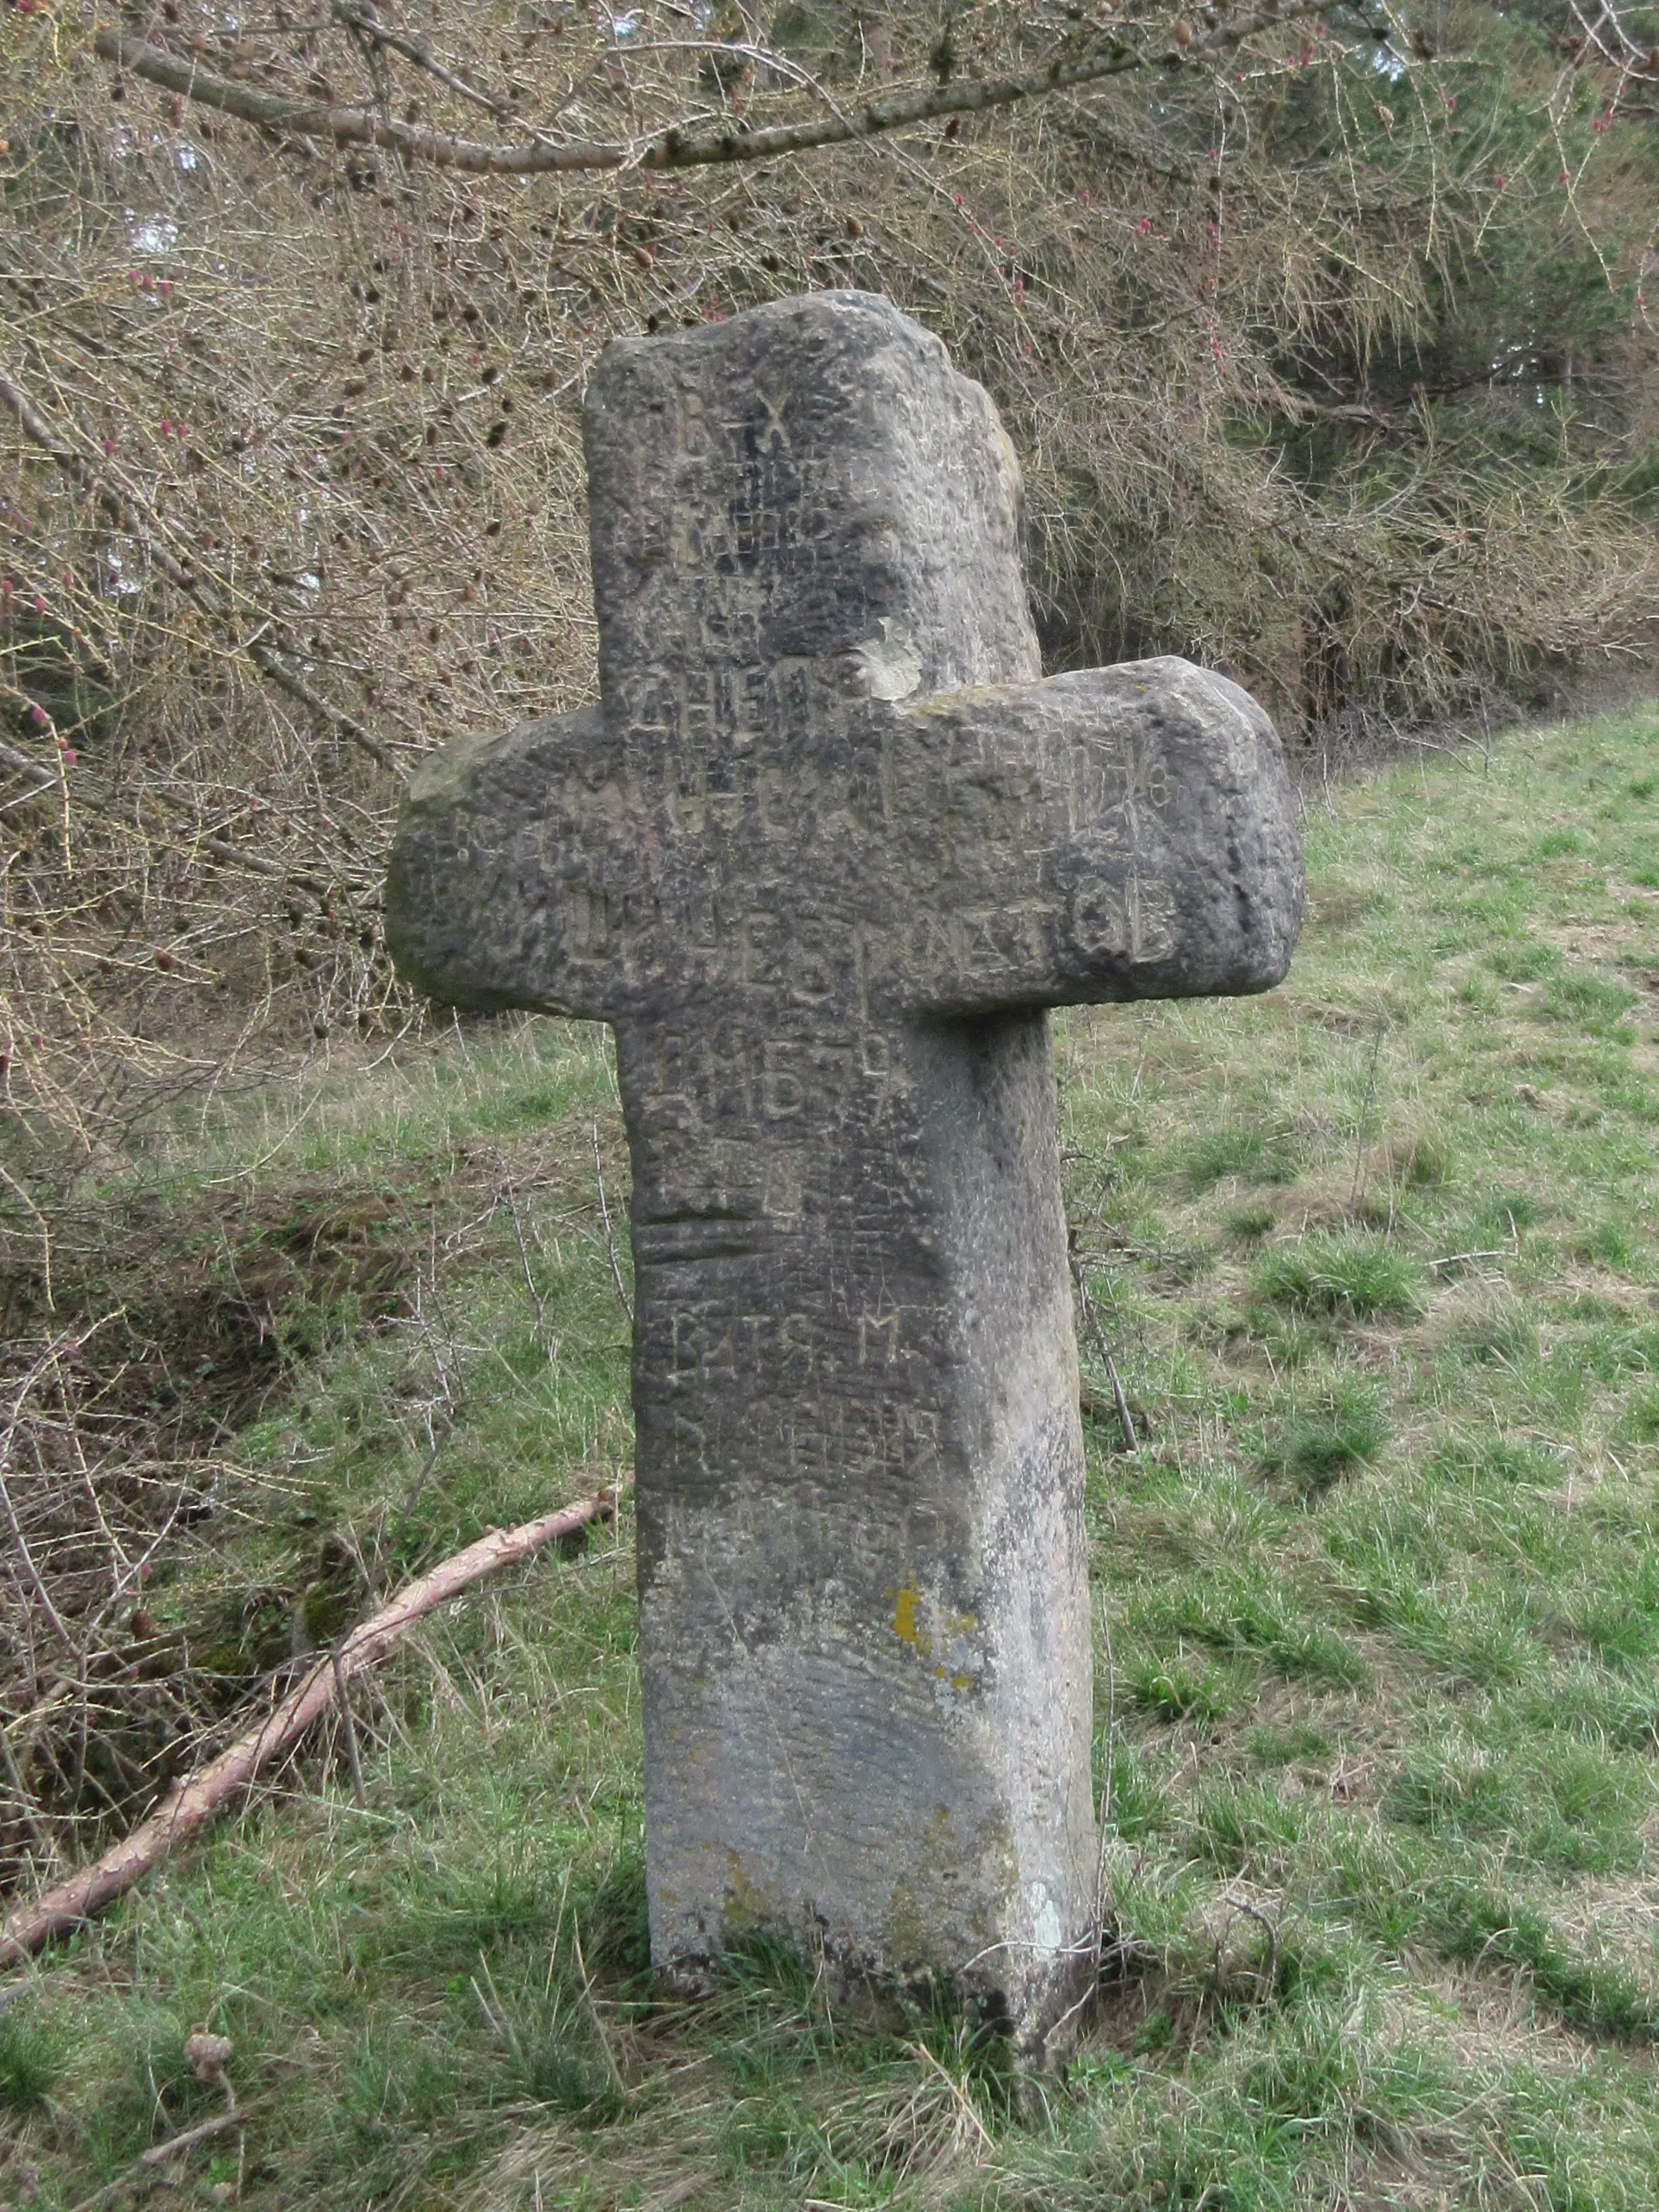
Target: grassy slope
column 1378, row 1704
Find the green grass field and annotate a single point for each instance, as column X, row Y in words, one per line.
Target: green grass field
column 1377, row 1591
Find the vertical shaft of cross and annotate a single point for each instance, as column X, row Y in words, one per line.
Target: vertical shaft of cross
column 863, row 1619
column 863, row 1627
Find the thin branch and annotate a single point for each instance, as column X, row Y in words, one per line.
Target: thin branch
column 1125, row 1421
column 38, row 777
column 343, row 1699
column 675, row 148
column 290, row 680
column 131, row 514
column 160, row 2154
column 624, row 1300
column 367, row 25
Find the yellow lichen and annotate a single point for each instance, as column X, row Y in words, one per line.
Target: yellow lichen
column 904, row 1619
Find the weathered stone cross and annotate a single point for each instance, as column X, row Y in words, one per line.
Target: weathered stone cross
column 824, row 855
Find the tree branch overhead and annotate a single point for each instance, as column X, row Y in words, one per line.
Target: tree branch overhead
column 676, row 147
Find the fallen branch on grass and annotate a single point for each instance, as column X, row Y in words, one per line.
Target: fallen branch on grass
column 189, row 1806
column 160, row 2154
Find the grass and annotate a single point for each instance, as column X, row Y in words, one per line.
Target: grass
column 1337, row 1431
column 1353, row 1274
column 1378, row 1590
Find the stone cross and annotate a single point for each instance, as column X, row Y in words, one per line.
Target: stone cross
column 824, row 855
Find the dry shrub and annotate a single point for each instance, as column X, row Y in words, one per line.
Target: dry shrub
column 96, row 1709
column 115, row 1432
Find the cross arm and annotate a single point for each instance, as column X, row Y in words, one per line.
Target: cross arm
column 1119, row 832
column 509, row 882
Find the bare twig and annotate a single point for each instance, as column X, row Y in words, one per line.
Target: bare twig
column 536, row 1299
column 343, row 1699
column 368, row 26
column 161, row 2154
column 132, row 514
column 39, row 777
column 623, row 1299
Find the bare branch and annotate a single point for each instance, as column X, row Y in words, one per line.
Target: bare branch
column 38, row 777
column 134, row 517
column 290, row 680
column 364, row 22
column 675, row 148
